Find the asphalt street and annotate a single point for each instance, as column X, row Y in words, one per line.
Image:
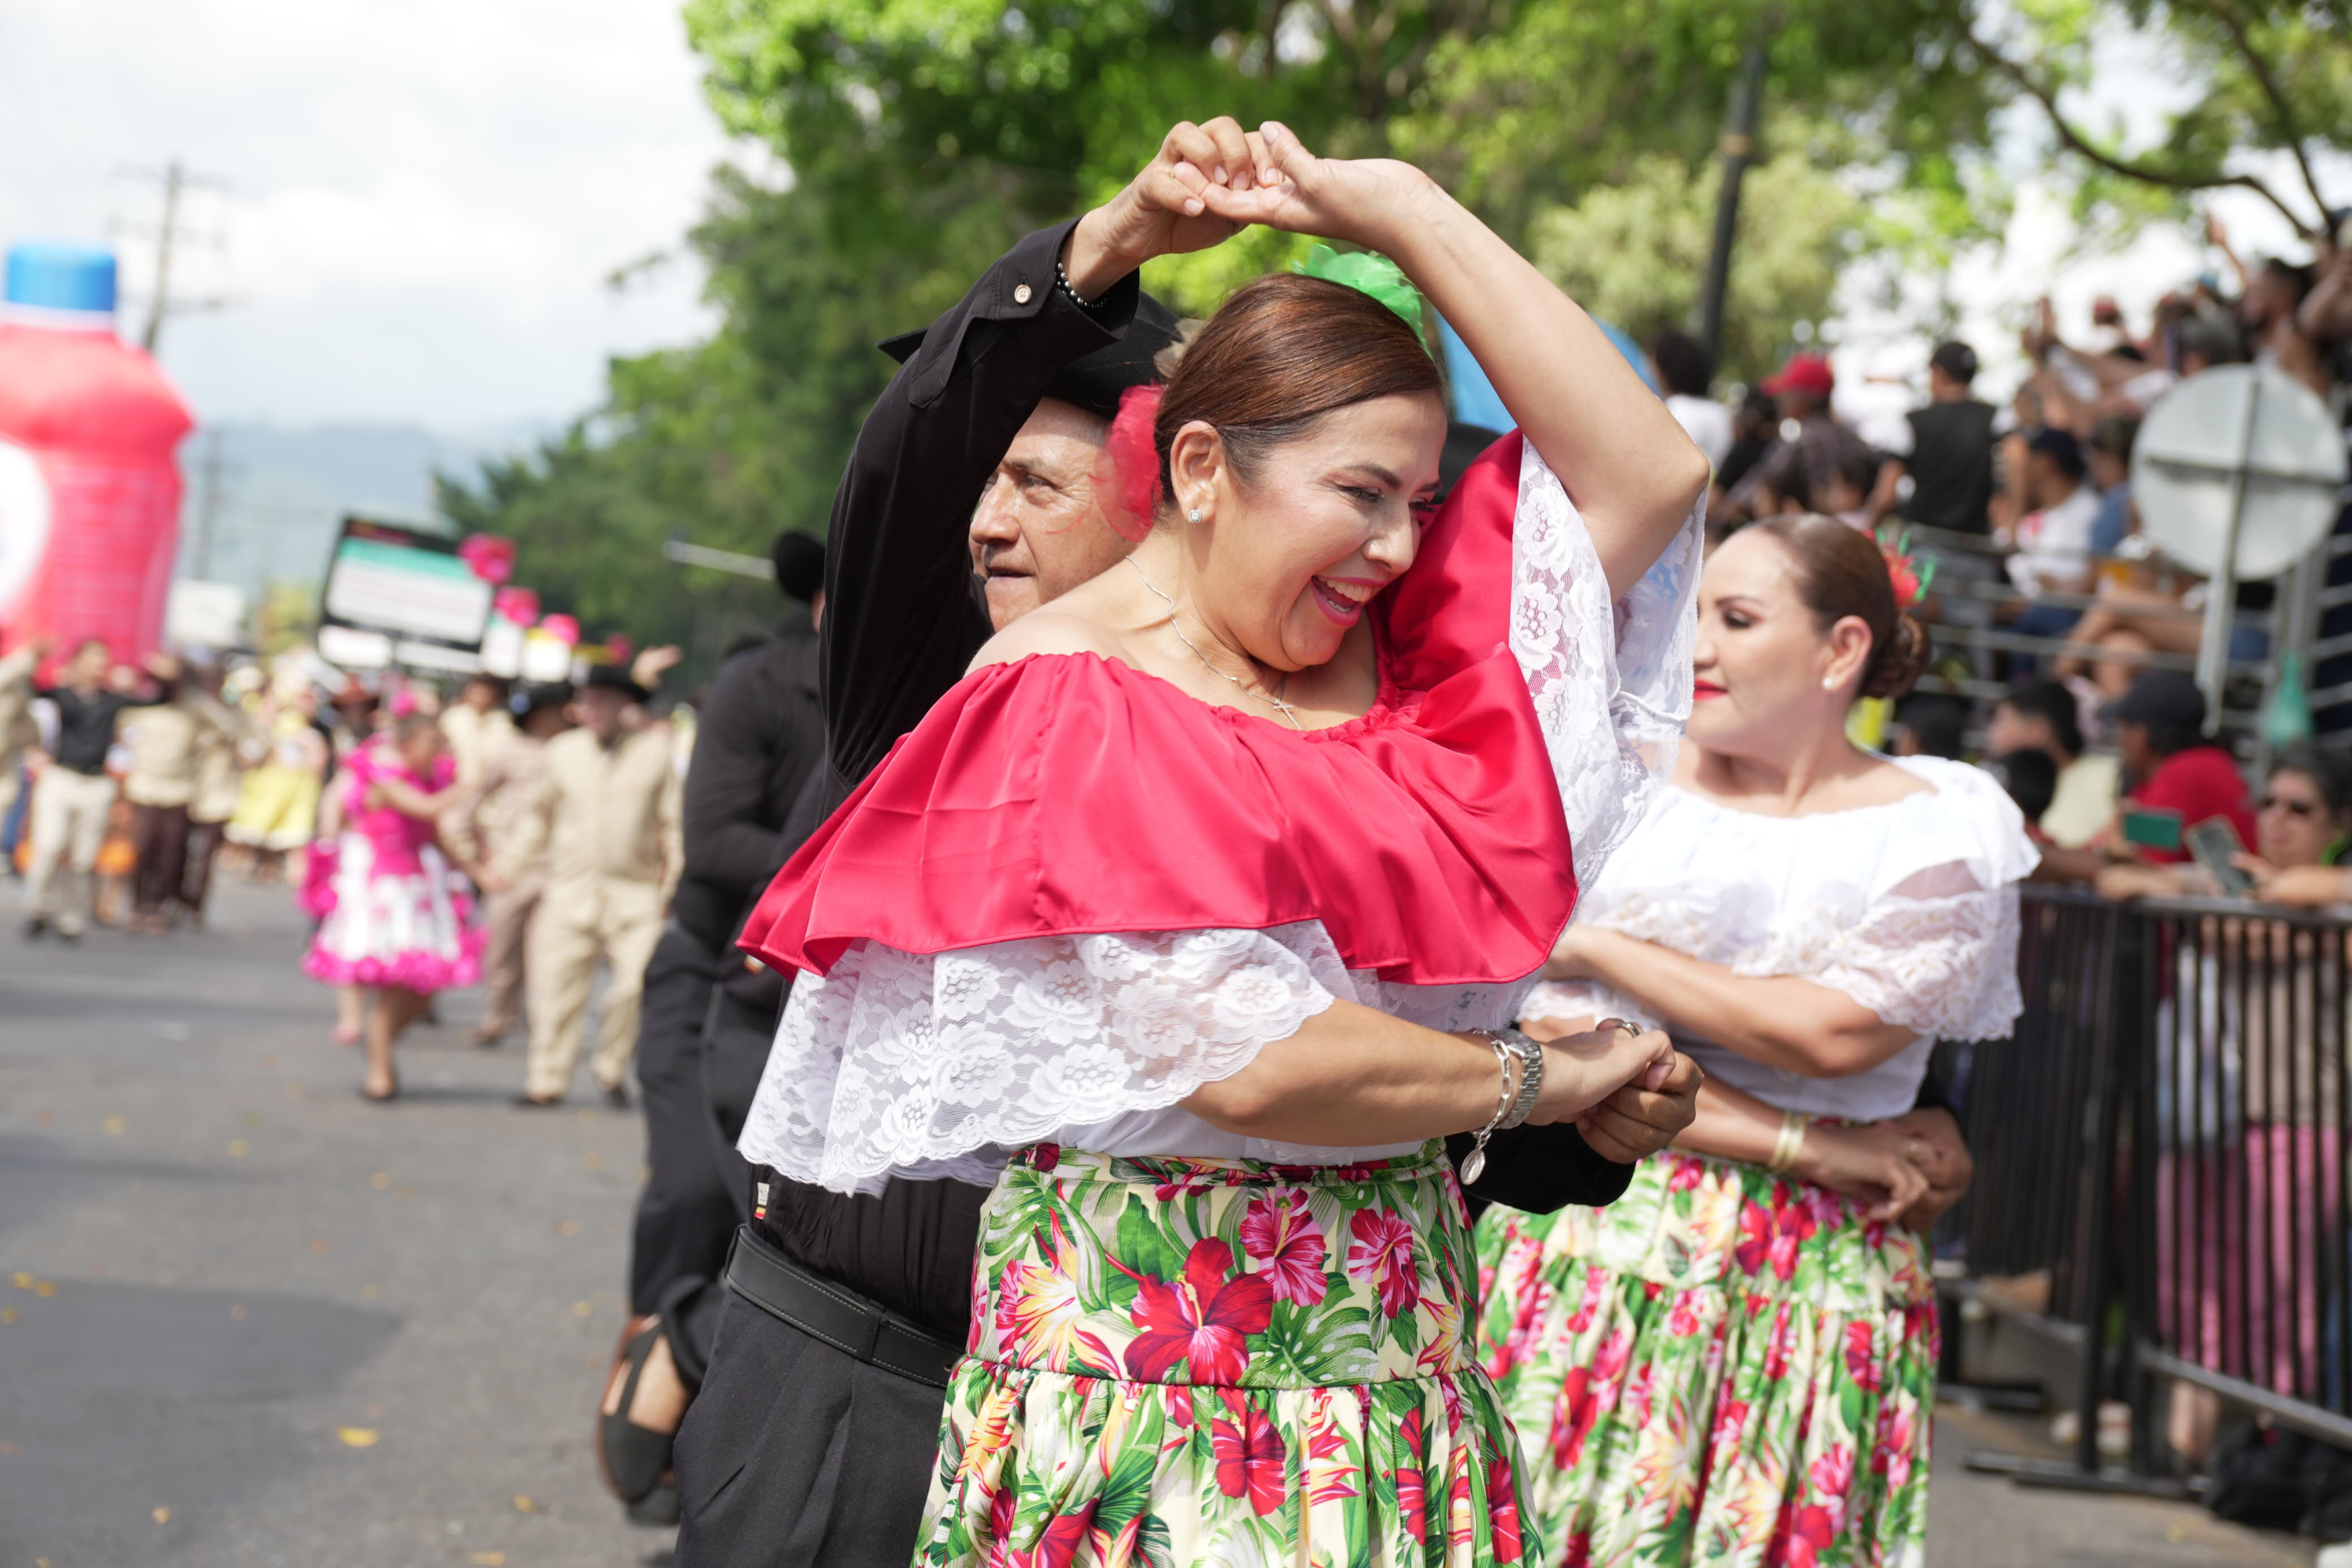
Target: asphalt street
column 248, row 1318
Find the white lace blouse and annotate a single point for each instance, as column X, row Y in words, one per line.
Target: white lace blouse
column 938, row 1064
column 1908, row 907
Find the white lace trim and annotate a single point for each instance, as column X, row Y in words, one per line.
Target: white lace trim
column 898, row 1059
column 1611, row 683
column 1944, row 967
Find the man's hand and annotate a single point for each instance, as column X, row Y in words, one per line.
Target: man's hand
column 163, row 667
column 1635, row 1122
column 1940, row 1156
column 1163, row 211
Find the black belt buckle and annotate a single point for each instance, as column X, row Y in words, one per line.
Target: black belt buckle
column 825, row 1310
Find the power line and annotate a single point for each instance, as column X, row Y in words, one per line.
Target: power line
column 175, row 180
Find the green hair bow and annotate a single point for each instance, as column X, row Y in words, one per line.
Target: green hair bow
column 1370, row 274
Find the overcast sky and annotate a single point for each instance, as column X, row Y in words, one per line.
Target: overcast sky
column 426, row 197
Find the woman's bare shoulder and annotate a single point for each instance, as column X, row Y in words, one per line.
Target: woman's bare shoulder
column 1050, row 630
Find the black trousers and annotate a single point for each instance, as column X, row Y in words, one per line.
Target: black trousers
column 160, row 832
column 203, row 848
column 686, row 1211
column 796, row 1456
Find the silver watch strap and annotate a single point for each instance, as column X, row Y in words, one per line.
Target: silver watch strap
column 1531, row 1073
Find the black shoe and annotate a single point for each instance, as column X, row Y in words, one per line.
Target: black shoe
column 36, row 928
column 659, row 1506
column 616, row 1095
column 533, row 1102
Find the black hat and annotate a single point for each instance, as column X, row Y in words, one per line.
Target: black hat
column 613, row 677
column 2162, row 699
column 548, row 694
column 1094, row 383
column 799, row 560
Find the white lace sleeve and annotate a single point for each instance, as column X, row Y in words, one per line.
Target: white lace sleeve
column 1941, row 966
column 900, row 1060
column 1611, row 683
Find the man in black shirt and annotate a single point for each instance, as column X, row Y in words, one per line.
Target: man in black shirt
column 71, row 800
column 760, row 738
column 1951, row 447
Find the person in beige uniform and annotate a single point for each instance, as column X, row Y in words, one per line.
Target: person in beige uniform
column 609, row 809
column 220, row 776
column 18, row 732
column 493, row 820
column 167, row 743
column 477, row 725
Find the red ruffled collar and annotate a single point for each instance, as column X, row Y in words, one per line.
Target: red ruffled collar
column 1068, row 793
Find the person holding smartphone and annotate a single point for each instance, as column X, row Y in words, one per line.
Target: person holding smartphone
column 2300, row 837
column 2178, row 778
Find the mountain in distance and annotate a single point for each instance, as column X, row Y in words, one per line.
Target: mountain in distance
column 277, row 495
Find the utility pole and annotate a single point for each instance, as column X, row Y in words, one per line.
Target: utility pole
column 1738, row 150
column 176, row 180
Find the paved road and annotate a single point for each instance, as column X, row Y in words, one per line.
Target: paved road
column 246, row 1319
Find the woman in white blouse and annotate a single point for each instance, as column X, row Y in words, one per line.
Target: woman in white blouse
column 1739, row 1356
column 1194, row 916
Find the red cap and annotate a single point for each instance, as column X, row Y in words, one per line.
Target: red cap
column 1808, row 373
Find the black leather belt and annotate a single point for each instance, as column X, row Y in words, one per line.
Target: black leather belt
column 836, row 1314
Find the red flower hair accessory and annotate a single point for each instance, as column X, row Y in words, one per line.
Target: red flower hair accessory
column 1135, row 460
column 1904, row 573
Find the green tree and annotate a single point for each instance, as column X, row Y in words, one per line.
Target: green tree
column 2261, row 78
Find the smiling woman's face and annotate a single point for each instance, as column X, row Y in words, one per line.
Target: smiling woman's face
column 1761, row 656
column 1287, row 557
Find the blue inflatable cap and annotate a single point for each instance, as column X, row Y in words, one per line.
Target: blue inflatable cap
column 1476, row 401
column 61, row 277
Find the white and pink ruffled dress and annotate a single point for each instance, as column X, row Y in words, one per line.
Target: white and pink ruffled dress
column 403, row 916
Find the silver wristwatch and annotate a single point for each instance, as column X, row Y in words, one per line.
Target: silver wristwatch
column 1530, row 1053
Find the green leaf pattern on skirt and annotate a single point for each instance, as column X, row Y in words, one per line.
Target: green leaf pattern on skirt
column 1178, row 1362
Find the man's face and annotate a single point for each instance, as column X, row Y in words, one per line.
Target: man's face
column 480, row 695
column 90, row 665
column 1040, row 530
column 598, row 711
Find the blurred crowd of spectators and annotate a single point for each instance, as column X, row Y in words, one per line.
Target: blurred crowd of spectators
column 2041, row 579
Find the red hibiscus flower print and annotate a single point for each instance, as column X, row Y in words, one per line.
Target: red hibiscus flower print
column 1772, row 1235
column 1776, row 1349
column 1206, row 1317
column 1686, row 1173
column 1637, row 1394
column 1862, row 1358
column 1805, row 1531
column 1890, row 1454
column 1730, row 1423
column 1579, row 1551
column 1251, row 1459
column 1382, row 1252
column 1503, row 1506
column 1283, row 1236
column 1683, row 1321
column 1588, row 1304
column 1586, row 1394
column 1411, row 1491
column 1044, row 1156
column 1832, row 1473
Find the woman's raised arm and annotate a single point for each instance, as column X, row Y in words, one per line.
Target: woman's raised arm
column 1629, row 467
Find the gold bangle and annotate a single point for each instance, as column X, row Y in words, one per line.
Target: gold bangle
column 1792, row 1142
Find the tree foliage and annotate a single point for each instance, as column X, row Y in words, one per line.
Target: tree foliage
column 922, row 136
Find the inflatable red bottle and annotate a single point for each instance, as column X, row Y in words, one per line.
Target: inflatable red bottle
column 89, row 493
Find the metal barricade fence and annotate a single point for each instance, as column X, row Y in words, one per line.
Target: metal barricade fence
column 2166, row 1132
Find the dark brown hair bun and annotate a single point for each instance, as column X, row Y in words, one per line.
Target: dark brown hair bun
column 1840, row 572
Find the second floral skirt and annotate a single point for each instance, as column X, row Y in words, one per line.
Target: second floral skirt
column 1178, row 1362
column 1723, row 1367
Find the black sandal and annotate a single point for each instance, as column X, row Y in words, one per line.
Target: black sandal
column 632, row 1460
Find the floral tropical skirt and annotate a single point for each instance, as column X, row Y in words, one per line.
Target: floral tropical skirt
column 1723, row 1367
column 1191, row 1362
